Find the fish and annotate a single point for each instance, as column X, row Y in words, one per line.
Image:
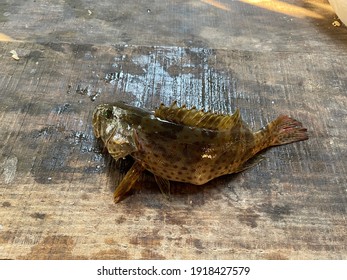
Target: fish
column 185, row 144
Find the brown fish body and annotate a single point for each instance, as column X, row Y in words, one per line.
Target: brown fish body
column 185, row 145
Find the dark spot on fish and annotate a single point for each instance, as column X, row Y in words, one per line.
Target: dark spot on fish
column 226, row 167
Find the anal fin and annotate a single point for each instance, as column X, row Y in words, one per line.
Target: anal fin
column 164, row 186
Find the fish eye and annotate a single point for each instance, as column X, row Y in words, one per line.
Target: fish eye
column 108, row 114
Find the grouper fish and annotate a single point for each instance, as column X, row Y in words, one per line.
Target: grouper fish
column 185, row 145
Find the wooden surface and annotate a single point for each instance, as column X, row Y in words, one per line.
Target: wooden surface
column 56, row 185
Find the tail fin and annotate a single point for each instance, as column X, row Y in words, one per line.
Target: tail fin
column 285, row 130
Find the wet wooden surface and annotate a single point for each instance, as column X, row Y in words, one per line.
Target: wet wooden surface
column 56, row 184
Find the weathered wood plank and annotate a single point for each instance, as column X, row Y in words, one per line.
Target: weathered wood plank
column 56, row 186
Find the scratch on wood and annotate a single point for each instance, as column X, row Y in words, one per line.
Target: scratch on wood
column 9, row 169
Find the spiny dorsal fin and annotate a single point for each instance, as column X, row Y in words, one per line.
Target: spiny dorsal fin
column 197, row 118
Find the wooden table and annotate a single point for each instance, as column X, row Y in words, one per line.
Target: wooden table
column 56, row 184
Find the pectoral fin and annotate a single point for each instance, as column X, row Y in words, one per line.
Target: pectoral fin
column 128, row 182
column 164, row 186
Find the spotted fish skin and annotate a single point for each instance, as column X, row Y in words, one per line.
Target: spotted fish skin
column 186, row 145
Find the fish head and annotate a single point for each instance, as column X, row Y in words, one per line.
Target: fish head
column 111, row 126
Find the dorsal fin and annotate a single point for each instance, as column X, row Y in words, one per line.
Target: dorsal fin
column 197, row 118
